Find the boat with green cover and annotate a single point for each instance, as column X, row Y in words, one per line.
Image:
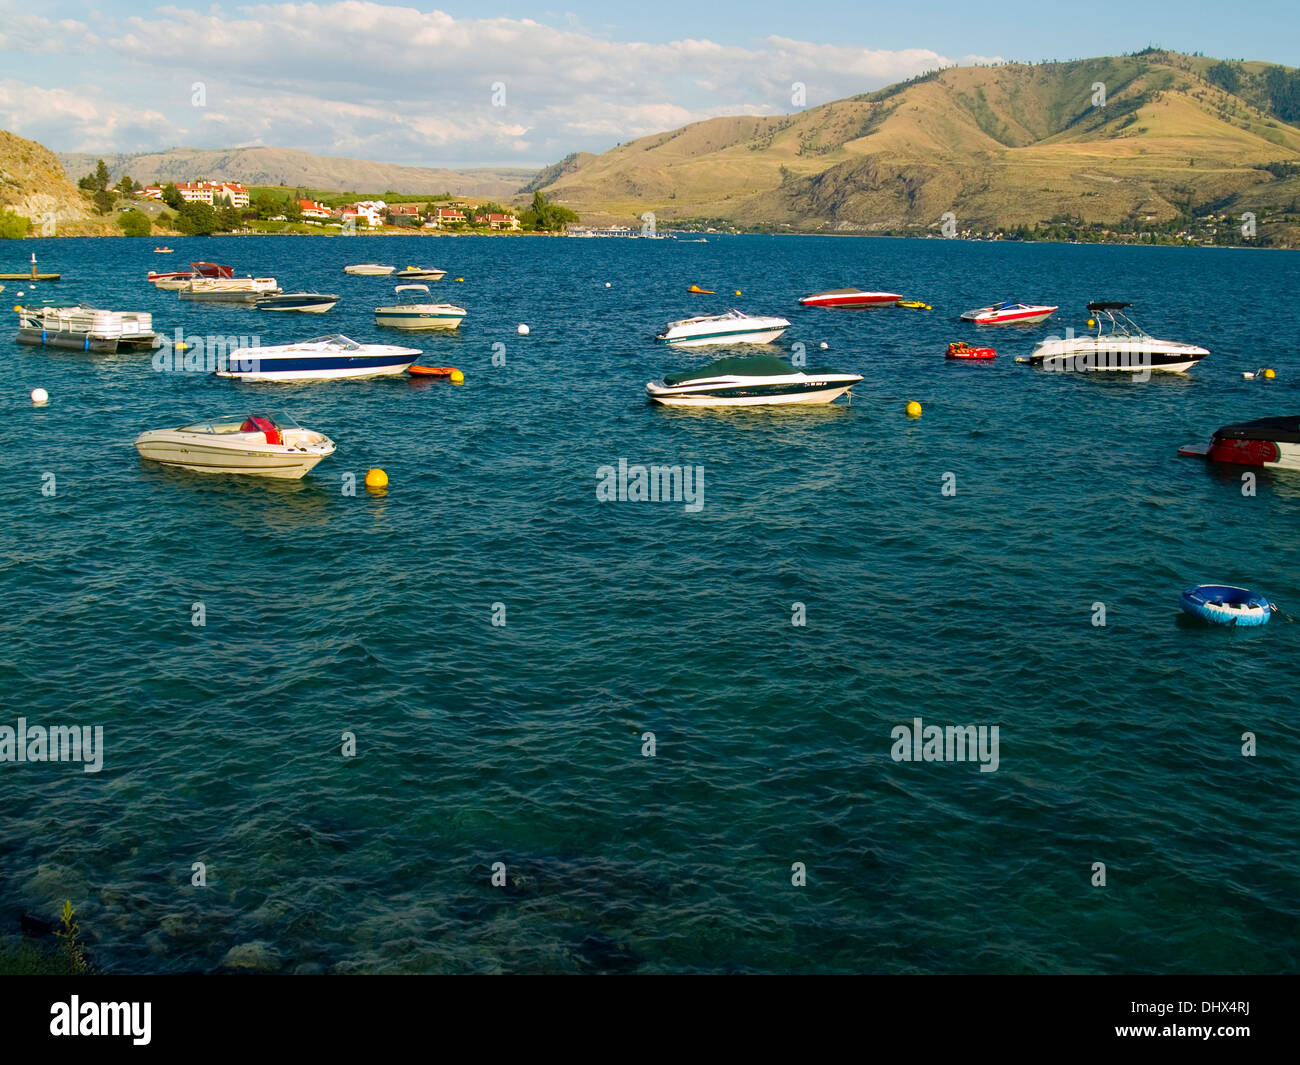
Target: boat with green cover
column 751, row 381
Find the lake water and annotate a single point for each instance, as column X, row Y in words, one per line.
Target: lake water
column 522, row 743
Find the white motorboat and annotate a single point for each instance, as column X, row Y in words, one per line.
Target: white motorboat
column 305, row 302
column 319, row 359
column 258, row 445
column 1118, row 345
column 414, row 312
column 85, row 328
column 420, row 273
column 229, row 289
column 369, row 270
column 750, row 381
column 1009, row 313
column 734, row 327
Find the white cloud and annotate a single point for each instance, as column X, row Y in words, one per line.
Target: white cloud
column 403, row 85
column 76, row 120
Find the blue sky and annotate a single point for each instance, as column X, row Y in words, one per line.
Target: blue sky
column 457, row 84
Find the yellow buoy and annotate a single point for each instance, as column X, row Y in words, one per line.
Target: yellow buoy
column 181, row 345
column 1092, row 323
column 376, row 478
column 460, row 279
column 914, row 409
column 457, row 378
column 1269, row 374
column 737, row 292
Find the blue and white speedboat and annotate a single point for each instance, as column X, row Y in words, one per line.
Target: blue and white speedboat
column 416, row 312
column 319, row 359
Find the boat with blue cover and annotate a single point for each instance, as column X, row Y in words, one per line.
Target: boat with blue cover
column 1224, row 604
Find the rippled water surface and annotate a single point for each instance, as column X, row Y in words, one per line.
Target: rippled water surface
column 522, row 744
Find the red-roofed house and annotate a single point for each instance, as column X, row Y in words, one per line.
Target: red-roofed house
column 502, row 221
column 313, row 209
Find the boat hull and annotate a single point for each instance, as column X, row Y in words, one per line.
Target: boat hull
column 757, row 336
column 190, row 455
column 369, row 271
column 417, row 320
column 266, row 364
column 753, row 393
column 301, row 304
column 85, row 341
column 1089, row 355
column 1031, row 316
column 851, row 300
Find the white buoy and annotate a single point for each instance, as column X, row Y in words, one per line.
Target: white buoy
column 607, row 284
column 40, row 397
column 824, row 345
column 523, row 330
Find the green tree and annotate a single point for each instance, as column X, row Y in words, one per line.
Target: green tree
column 104, row 201
column 196, row 219
column 172, row 196
column 101, row 176
column 546, row 216
column 135, row 224
column 13, row 226
column 229, row 218
column 1226, row 76
column 126, row 186
column 266, row 205
column 292, row 211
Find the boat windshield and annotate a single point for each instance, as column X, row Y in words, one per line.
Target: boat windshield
column 239, row 423
column 337, row 340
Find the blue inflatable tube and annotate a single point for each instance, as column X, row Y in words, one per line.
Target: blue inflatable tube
column 1222, row 604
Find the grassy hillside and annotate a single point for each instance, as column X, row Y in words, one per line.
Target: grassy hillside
column 1000, row 147
column 288, row 166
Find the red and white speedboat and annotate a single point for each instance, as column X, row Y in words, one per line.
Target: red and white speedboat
column 850, row 297
column 1271, row 442
column 180, row 278
column 1009, row 313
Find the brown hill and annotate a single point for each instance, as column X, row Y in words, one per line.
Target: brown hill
column 289, row 166
column 999, row 147
column 33, row 184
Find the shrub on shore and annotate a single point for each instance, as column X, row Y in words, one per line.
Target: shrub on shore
column 13, row 226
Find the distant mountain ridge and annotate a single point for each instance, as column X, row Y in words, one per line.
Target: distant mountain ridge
column 1131, row 140
column 289, row 166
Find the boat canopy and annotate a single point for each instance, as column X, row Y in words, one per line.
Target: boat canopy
column 1108, row 306
column 736, row 366
column 1284, row 430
